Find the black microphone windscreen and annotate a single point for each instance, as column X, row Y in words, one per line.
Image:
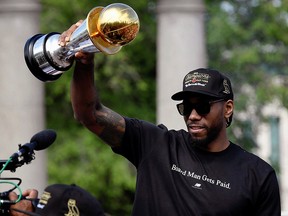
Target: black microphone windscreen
column 44, row 139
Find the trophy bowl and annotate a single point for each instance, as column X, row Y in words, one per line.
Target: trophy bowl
column 105, row 30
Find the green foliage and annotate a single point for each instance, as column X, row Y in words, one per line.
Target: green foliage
column 247, row 40
column 80, row 157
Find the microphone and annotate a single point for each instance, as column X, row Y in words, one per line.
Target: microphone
column 39, row 141
column 43, row 139
column 25, row 154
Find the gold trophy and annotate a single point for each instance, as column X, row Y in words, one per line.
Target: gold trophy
column 105, row 30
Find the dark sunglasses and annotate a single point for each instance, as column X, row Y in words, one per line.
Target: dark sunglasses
column 202, row 108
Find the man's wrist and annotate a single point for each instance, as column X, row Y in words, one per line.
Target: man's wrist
column 86, row 65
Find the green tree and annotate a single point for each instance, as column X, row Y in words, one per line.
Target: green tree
column 247, row 40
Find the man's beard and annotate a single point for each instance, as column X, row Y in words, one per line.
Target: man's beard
column 212, row 133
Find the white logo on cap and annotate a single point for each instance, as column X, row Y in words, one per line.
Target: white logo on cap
column 196, row 78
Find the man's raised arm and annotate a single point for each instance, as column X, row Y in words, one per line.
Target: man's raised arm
column 88, row 110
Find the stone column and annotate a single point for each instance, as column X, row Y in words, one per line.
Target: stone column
column 180, row 49
column 21, row 98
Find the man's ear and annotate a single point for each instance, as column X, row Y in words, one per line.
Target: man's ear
column 229, row 109
column 229, row 112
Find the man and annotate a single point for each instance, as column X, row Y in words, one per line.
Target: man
column 193, row 172
column 59, row 200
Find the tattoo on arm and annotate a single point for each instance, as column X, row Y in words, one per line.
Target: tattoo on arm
column 112, row 126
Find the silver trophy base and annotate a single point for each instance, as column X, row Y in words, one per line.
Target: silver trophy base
column 38, row 58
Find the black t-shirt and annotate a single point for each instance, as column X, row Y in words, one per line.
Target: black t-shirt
column 176, row 179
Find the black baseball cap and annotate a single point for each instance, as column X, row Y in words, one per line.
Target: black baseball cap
column 206, row 82
column 61, row 199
